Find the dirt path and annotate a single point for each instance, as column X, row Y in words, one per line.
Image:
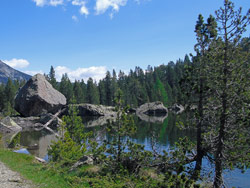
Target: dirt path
column 10, row 179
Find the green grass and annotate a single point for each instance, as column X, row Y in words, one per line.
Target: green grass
column 39, row 174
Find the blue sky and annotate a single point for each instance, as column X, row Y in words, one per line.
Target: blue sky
column 88, row 37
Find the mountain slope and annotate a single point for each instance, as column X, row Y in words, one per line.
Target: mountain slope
column 7, row 72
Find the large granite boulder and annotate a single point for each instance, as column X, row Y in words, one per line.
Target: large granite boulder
column 152, row 109
column 37, row 97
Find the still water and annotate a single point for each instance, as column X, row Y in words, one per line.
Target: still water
column 162, row 132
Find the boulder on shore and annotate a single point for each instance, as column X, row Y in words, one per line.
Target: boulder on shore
column 37, row 97
column 7, row 125
column 95, row 110
column 152, row 109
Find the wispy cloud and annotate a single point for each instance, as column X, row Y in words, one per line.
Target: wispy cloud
column 103, row 5
column 74, row 17
column 32, row 73
column 82, row 3
column 42, row 3
column 97, row 73
column 56, row 2
column 100, row 6
column 17, row 63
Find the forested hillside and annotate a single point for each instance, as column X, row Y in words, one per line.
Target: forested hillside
column 139, row 86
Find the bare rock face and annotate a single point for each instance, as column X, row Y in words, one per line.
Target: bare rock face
column 37, row 97
column 152, row 109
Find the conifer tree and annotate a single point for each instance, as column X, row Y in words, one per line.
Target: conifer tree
column 228, row 105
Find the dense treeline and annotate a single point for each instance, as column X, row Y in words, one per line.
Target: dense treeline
column 7, row 95
column 139, row 86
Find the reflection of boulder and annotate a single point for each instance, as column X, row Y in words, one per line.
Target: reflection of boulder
column 37, row 97
column 95, row 110
column 7, row 125
column 37, row 143
column 152, row 119
column 102, row 120
column 152, row 109
column 177, row 108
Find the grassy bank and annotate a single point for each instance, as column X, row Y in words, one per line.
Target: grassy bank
column 26, row 165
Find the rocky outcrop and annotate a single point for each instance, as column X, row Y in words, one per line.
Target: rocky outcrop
column 95, row 110
column 152, row 109
column 38, row 97
column 7, row 125
column 28, row 123
column 7, row 72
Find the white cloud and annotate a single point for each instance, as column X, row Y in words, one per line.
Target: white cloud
column 84, row 10
column 17, row 63
column 40, row 3
column 74, row 17
column 32, row 73
column 97, row 73
column 82, row 3
column 103, row 5
column 56, row 2
column 100, row 7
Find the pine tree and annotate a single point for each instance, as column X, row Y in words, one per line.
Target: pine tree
column 92, row 92
column 52, row 78
column 66, row 88
column 228, row 107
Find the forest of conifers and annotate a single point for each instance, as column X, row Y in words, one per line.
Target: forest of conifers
column 162, row 83
column 215, row 81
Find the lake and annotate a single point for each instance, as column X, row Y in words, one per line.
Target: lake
column 163, row 133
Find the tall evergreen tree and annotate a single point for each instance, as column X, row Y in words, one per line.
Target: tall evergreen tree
column 52, row 77
column 92, row 92
column 228, row 107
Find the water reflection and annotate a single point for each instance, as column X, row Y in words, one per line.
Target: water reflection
column 37, row 142
column 163, row 134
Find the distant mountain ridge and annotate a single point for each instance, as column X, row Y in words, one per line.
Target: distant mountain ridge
column 8, row 72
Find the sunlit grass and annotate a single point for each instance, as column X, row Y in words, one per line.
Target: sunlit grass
column 38, row 173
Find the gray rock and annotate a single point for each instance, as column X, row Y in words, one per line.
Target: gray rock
column 27, row 123
column 152, row 109
column 95, row 110
column 7, row 125
column 85, row 160
column 38, row 97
